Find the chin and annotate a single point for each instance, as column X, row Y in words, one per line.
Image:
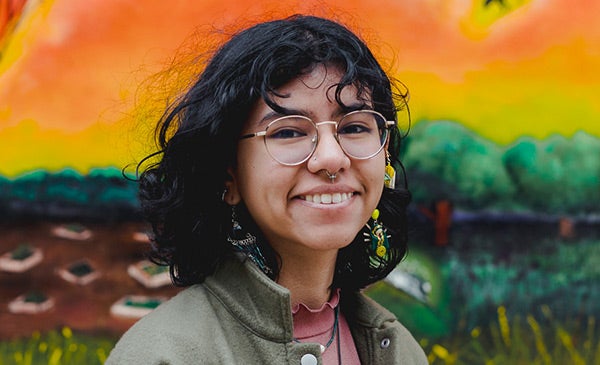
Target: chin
column 330, row 242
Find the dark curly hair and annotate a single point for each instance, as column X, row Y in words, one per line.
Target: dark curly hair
column 181, row 195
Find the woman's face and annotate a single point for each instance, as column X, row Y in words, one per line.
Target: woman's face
column 276, row 195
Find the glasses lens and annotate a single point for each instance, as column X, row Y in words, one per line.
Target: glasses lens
column 362, row 134
column 291, row 140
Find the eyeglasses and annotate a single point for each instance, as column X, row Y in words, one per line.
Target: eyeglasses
column 292, row 139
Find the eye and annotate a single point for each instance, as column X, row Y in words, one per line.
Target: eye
column 354, row 127
column 287, row 132
column 292, row 127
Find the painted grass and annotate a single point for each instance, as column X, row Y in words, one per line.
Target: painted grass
column 56, row 348
column 519, row 341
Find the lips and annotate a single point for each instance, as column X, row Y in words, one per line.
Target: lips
column 333, row 198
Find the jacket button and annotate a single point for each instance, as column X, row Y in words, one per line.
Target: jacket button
column 308, row 359
column 385, row 343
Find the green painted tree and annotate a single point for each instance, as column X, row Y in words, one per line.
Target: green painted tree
column 558, row 175
column 463, row 167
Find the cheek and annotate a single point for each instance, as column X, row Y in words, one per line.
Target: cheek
column 250, row 156
column 376, row 170
column 256, row 170
column 376, row 173
column 243, row 173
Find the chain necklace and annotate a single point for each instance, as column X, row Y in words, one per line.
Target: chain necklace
column 334, row 331
column 339, row 348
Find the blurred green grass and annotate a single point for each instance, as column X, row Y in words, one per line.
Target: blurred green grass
column 56, row 348
column 520, row 341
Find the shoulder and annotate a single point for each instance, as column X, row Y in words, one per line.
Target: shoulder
column 169, row 331
column 179, row 314
column 406, row 346
column 379, row 333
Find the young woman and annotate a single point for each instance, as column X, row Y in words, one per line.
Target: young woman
column 274, row 201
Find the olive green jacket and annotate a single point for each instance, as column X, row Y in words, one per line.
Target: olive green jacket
column 240, row 316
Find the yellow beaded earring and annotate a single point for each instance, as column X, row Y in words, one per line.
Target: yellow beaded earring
column 389, row 179
column 377, row 236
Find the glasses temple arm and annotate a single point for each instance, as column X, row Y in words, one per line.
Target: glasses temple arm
column 251, row 135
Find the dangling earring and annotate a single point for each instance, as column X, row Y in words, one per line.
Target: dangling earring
column 377, row 236
column 246, row 244
column 389, row 179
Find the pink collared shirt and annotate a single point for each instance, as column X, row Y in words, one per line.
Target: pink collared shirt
column 316, row 325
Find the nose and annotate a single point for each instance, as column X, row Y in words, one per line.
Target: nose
column 328, row 154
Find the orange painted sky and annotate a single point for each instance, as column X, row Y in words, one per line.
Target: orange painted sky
column 72, row 70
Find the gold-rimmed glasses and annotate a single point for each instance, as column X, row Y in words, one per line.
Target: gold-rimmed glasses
column 292, row 139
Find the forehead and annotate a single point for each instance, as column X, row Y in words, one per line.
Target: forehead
column 312, row 94
column 319, row 83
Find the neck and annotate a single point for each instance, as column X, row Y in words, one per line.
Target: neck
column 308, row 280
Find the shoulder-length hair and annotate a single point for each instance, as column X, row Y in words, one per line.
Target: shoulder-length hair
column 181, row 195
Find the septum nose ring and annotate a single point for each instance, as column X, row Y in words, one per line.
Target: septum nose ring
column 331, row 176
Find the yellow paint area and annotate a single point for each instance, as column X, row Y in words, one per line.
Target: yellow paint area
column 554, row 94
column 484, row 13
column 101, row 145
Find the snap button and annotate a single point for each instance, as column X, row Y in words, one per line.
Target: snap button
column 308, row 359
column 385, row 343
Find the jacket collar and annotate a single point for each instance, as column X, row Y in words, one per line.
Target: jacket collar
column 364, row 311
column 256, row 301
column 264, row 307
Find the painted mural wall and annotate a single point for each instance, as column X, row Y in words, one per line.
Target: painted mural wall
column 502, row 157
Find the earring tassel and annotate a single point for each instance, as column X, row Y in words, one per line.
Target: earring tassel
column 390, row 176
column 377, row 236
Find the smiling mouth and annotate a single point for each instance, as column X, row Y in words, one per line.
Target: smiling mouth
column 334, row 198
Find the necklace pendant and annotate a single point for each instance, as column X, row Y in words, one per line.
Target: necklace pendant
column 323, row 348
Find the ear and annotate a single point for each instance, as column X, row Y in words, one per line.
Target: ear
column 232, row 195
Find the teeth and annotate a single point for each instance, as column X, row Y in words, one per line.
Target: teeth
column 328, row 198
column 336, row 198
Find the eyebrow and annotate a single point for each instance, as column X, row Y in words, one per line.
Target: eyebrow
column 272, row 115
column 343, row 109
